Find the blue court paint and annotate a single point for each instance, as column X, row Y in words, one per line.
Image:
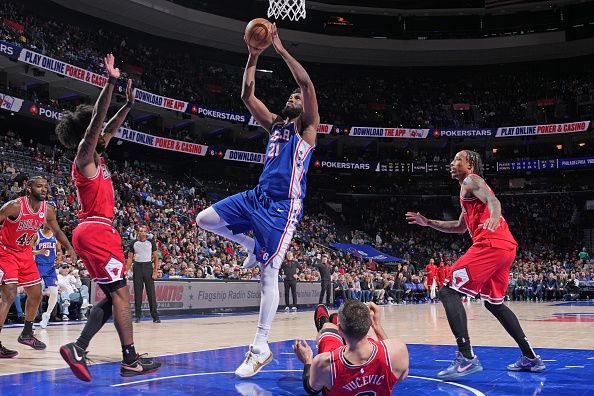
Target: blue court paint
column 211, row 373
column 574, row 304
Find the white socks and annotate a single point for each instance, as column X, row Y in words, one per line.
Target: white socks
column 268, row 307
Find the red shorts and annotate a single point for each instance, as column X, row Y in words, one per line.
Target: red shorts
column 18, row 267
column 329, row 341
column 484, row 270
column 100, row 248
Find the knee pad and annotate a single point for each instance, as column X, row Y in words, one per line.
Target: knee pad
column 208, row 219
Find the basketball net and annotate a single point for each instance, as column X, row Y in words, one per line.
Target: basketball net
column 292, row 9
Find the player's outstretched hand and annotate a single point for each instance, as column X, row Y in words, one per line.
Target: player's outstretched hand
column 492, row 224
column 303, row 351
column 253, row 50
column 416, row 218
column 109, row 62
column 276, row 41
column 130, row 92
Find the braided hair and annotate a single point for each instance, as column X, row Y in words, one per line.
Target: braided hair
column 475, row 161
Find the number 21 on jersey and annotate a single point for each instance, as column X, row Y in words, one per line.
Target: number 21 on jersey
column 273, row 150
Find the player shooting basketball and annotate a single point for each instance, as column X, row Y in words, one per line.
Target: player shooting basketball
column 482, row 271
column 272, row 209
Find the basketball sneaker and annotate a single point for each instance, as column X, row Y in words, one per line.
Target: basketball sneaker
column 294, row 309
column 31, row 341
column 460, row 367
column 77, row 360
column 250, row 261
column 321, row 316
column 254, row 361
column 287, row 309
column 45, row 317
column 6, row 353
column 141, row 366
column 535, row 365
column 334, row 318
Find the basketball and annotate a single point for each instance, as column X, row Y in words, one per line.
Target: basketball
column 257, row 33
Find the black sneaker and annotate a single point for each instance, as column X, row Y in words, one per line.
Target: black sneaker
column 77, row 360
column 6, row 353
column 321, row 316
column 141, row 366
column 32, row 342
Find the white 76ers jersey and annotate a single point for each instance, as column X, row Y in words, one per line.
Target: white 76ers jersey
column 287, row 161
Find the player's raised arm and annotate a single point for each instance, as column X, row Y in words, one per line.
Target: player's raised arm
column 398, row 357
column 85, row 155
column 310, row 117
column 118, row 119
column 258, row 109
column 450, row 227
column 476, row 185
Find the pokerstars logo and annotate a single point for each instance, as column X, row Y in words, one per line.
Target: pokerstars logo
column 436, row 133
column 195, row 109
column 34, row 110
column 50, row 113
column 317, row 163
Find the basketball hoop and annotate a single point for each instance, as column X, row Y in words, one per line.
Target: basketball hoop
column 292, row 9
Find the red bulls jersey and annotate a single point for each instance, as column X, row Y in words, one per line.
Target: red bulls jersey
column 476, row 213
column 95, row 194
column 17, row 234
column 373, row 377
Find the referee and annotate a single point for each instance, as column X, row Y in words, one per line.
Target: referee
column 140, row 251
column 290, row 271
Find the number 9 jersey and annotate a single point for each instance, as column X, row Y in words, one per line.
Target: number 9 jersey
column 16, row 255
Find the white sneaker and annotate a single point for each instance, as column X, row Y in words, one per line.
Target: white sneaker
column 250, row 261
column 86, row 304
column 287, row 309
column 66, row 303
column 65, row 317
column 253, row 363
column 45, row 317
column 294, row 309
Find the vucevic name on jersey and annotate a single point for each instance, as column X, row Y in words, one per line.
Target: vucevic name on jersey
column 286, row 163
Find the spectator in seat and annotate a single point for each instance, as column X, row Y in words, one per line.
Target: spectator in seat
column 551, row 287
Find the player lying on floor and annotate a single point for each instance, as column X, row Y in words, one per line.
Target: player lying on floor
column 348, row 362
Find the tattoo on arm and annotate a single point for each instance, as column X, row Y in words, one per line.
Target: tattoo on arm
column 479, row 188
column 86, row 149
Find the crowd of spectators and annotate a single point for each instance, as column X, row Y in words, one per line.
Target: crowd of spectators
column 489, row 96
column 549, row 264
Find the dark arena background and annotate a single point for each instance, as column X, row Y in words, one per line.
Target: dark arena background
column 402, row 87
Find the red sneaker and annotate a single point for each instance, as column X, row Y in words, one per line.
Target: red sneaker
column 77, row 360
column 334, row 318
column 321, row 316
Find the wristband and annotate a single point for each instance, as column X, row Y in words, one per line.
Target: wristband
column 128, row 104
column 112, row 80
column 306, row 386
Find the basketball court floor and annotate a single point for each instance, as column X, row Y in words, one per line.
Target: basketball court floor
column 200, row 354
